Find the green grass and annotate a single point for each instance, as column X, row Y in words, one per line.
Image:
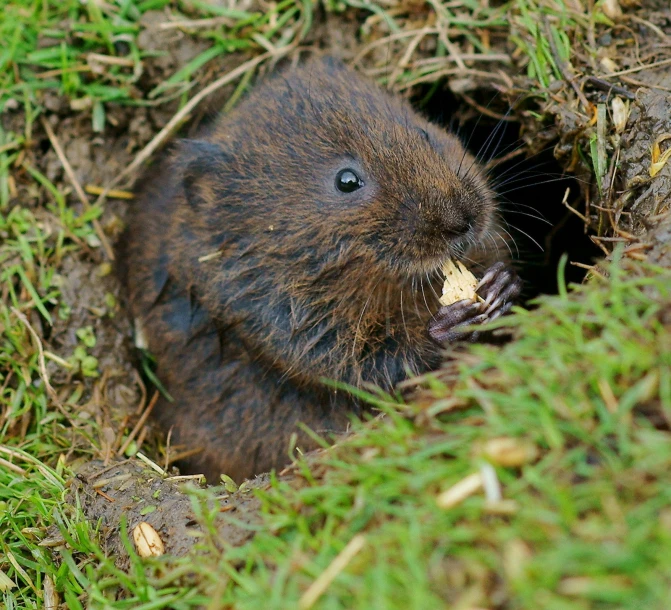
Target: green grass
column 71, row 47
column 591, row 522
column 592, row 525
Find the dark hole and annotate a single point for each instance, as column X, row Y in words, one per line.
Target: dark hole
column 531, row 191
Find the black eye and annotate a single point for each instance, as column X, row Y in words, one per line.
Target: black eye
column 348, row 181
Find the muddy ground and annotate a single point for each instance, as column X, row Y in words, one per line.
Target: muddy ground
column 622, row 116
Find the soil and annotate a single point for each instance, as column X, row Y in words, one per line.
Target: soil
column 133, row 491
column 630, row 203
column 631, row 200
column 640, row 197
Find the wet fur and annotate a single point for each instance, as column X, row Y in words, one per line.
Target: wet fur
column 254, row 280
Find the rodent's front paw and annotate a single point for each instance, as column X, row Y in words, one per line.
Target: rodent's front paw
column 498, row 288
column 448, row 324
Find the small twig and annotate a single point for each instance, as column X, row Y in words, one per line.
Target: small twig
column 486, row 111
column 652, row 66
column 405, row 59
column 625, row 234
column 168, row 440
column 9, row 146
column 142, row 436
column 107, row 469
column 603, row 85
column 460, row 491
column 389, row 39
column 180, row 116
column 100, row 492
column 434, row 76
column 444, row 19
column 650, row 25
column 196, row 23
column 319, row 586
column 591, row 268
column 617, row 240
column 26, row 457
column 143, row 393
column 452, row 49
column 43, row 367
column 58, row 360
column 110, row 60
column 78, row 189
column 598, row 243
column 120, row 478
column 578, row 214
column 92, row 189
column 639, row 83
column 59, row 71
column 186, row 477
column 638, row 246
column 150, row 463
column 139, row 424
column 441, row 61
column 13, row 467
column 182, row 455
column 503, row 159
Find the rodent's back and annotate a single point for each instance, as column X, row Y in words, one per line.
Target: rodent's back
column 298, row 241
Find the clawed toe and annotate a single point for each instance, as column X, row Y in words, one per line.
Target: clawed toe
column 448, row 324
column 500, row 285
column 498, row 288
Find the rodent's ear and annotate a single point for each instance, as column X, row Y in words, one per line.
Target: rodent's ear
column 199, row 159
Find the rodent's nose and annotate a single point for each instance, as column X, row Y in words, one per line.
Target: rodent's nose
column 455, row 214
column 447, row 227
column 461, row 223
column 462, row 226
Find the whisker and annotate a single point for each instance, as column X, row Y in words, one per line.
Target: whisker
column 534, row 216
column 356, row 331
column 505, row 201
column 421, row 283
column 414, row 300
column 496, row 243
column 523, row 161
column 428, row 278
column 517, row 188
column 517, row 250
column 405, row 326
column 527, row 235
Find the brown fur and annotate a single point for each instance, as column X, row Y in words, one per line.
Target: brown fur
column 255, row 278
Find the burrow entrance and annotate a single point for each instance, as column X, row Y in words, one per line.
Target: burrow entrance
column 530, row 188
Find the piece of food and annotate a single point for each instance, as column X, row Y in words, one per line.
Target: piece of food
column 459, row 283
column 147, row 541
column 509, row 451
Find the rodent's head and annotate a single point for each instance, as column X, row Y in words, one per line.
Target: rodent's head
column 323, row 157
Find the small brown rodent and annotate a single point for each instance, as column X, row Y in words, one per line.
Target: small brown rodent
column 299, row 240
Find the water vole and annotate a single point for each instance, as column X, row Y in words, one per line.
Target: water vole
column 300, row 240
